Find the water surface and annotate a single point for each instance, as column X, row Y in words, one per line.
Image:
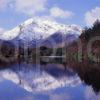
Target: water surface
column 43, row 82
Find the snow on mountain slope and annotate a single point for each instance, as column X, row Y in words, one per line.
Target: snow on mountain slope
column 36, row 29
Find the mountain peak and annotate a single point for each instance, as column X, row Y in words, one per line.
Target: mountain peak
column 37, row 29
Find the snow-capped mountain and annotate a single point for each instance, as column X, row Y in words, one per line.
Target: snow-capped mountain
column 59, row 38
column 37, row 30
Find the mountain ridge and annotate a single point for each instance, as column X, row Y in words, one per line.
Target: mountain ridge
column 38, row 29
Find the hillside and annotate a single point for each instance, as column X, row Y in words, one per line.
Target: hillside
column 24, row 42
column 84, row 56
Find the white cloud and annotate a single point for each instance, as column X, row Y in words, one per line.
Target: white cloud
column 45, row 17
column 2, row 4
column 57, row 12
column 2, row 30
column 30, row 7
column 92, row 16
column 34, row 7
column 5, row 3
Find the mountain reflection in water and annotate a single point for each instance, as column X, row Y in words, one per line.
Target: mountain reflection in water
column 44, row 82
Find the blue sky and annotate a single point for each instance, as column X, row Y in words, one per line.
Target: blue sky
column 80, row 12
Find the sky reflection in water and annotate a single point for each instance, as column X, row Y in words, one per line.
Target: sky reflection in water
column 25, row 84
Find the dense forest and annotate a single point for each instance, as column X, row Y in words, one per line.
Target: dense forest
column 87, row 64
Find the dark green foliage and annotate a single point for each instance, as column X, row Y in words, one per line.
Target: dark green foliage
column 89, row 33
